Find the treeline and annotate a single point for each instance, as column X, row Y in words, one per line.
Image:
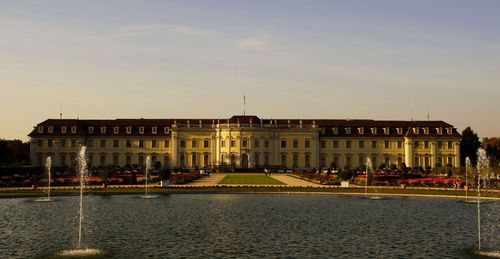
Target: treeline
column 14, row 152
column 470, row 143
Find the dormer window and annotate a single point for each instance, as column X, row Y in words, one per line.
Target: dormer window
column 399, row 130
column 416, row 130
column 129, row 130
column 40, row 129
column 63, row 129
column 103, row 130
column 91, row 130
column 141, row 130
column 348, row 131
column 439, row 131
column 449, row 131
column 426, row 131
column 116, row 130
column 322, row 131
column 166, row 130
column 386, row 130
column 361, row 130
column 73, row 129
column 50, row 129
column 374, row 131
column 335, row 131
column 153, row 130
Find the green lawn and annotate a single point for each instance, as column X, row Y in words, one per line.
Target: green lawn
column 249, row 179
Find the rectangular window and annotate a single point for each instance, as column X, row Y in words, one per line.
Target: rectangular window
column 103, row 160
column 348, row 161
column 283, row 143
column 116, row 130
column 223, row 143
column 335, row 131
column 426, row 144
column 141, row 130
column 322, row 144
column 103, row 143
column 153, row 143
column 450, row 145
column 63, row 160
column 348, row 144
column 295, row 143
column 307, row 160
column 115, row 160
column 205, row 143
column 361, row 144
column 50, row 129
column 266, row 143
column 129, row 130
column 103, row 130
column 233, row 143
column 335, row 144
column 90, row 143
column 63, row 143
column 63, row 129
column 154, row 130
column 257, row 143
column 245, row 143
column 49, row 143
column 440, row 144
column 40, row 129
column 400, row 144
column 194, row 143
column 129, row 143
column 322, row 161
column 374, row 144
column 141, row 143
column 91, row 130
column 307, row 144
column 183, row 143
column 73, row 143
column 166, row 144
column 40, row 143
column 128, row 160
column 115, row 143
column 73, row 129
column 266, row 159
column 416, row 144
column 387, row 144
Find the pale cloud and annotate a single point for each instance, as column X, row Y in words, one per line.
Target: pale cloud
column 253, row 43
column 136, row 30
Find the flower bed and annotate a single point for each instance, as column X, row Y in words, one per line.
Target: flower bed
column 318, row 178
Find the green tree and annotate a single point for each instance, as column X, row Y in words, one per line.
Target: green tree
column 469, row 145
column 492, row 147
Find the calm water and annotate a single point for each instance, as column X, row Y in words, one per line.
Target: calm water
column 249, row 226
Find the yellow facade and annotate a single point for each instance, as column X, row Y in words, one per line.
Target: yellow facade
column 248, row 142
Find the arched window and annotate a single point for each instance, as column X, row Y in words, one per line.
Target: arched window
column 295, row 161
column 307, row 161
column 283, row 160
column 256, row 159
column 193, row 160
column 233, row 160
column 205, row 160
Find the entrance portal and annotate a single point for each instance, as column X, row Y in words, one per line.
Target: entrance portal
column 244, row 161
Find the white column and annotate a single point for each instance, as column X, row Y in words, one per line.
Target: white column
column 174, row 156
column 408, row 152
column 433, row 154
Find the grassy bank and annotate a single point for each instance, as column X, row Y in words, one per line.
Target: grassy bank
column 248, row 189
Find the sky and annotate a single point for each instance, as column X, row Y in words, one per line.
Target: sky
column 356, row 59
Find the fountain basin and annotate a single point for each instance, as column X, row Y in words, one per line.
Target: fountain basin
column 80, row 252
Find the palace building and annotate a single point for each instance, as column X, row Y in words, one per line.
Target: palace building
column 247, row 142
